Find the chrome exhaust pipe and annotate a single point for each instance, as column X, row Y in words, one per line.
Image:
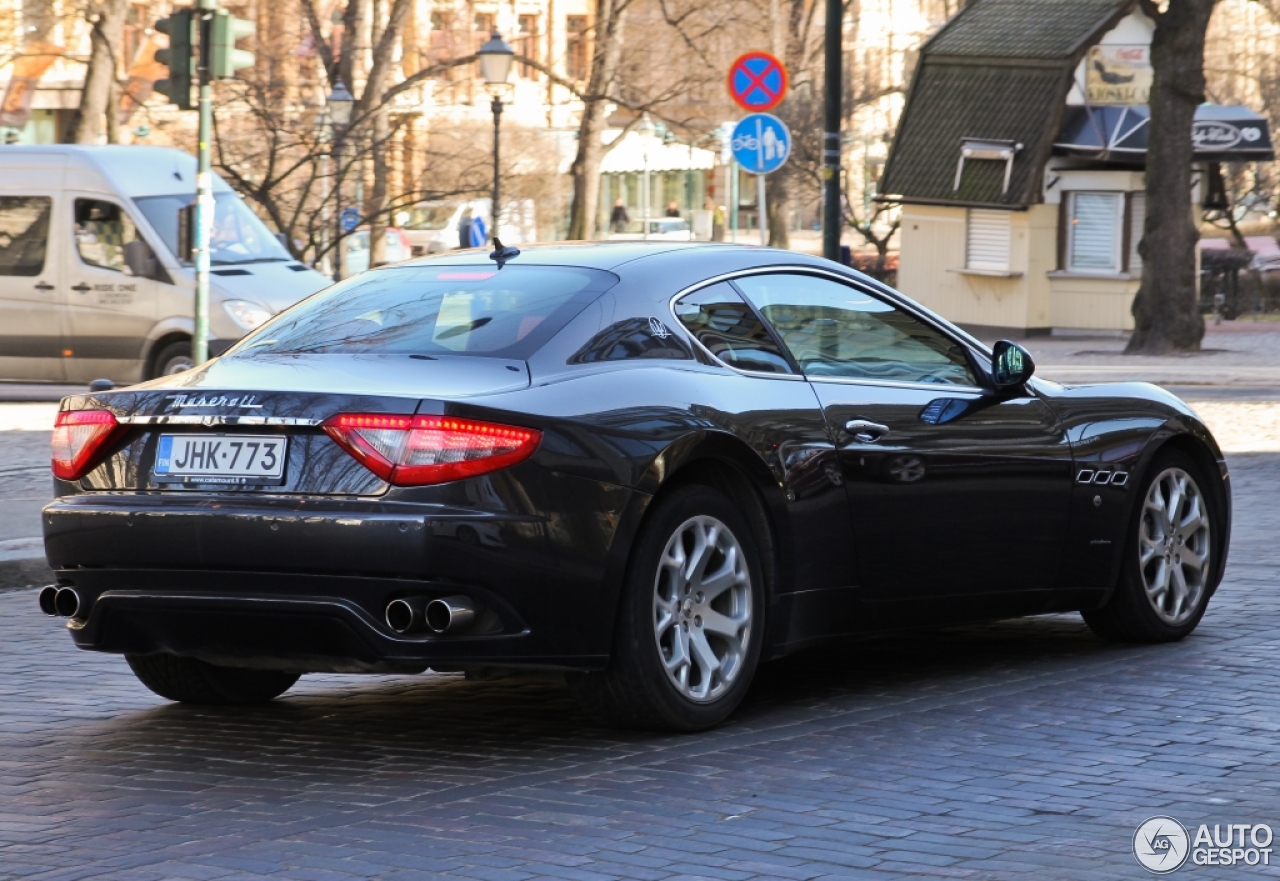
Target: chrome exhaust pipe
column 407, row 615
column 66, row 602
column 48, row 593
column 450, row 614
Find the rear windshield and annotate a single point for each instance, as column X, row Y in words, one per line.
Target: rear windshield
column 453, row 310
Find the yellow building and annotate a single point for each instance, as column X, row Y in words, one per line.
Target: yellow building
column 1019, row 165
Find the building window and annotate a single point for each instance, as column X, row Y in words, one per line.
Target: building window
column 1137, row 220
column 987, row 240
column 1095, row 233
column 527, row 43
column 576, row 47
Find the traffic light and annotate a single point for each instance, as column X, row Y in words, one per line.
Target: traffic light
column 179, row 57
column 226, row 59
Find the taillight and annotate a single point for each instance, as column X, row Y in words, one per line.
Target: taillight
column 420, row 450
column 78, row 437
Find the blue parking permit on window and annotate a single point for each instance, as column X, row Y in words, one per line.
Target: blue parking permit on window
column 163, row 454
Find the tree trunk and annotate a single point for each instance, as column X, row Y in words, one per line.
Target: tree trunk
column 378, row 202
column 1166, row 310
column 779, row 209
column 610, row 15
column 106, row 21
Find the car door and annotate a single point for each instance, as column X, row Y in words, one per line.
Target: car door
column 953, row 489
column 112, row 296
column 31, row 325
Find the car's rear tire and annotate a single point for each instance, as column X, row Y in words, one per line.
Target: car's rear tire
column 191, row 681
column 690, row 623
column 1170, row 561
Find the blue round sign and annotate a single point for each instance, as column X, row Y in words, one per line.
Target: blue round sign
column 761, row 143
column 350, row 217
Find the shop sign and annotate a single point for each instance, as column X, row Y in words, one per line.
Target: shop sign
column 1118, row 75
column 1209, row 135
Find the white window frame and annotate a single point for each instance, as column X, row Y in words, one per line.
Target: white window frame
column 1117, row 234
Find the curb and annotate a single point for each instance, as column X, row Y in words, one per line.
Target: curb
column 22, row 564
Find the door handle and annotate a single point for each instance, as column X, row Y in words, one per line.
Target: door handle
column 865, row 430
column 82, row 288
column 41, row 286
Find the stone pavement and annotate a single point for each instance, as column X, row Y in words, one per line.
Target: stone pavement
column 1005, row 751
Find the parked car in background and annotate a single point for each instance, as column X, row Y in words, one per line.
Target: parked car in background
column 356, row 256
column 432, row 227
column 661, row 229
column 93, row 283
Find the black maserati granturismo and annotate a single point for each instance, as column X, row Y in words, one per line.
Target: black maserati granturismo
column 649, row 467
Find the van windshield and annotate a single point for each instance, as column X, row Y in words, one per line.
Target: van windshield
column 427, row 311
column 238, row 235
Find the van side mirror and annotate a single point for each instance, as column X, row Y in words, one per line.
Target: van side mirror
column 1011, row 365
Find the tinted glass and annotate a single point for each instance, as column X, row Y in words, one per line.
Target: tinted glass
column 832, row 329
column 24, row 234
column 106, row 237
column 724, row 323
column 238, row 235
column 456, row 310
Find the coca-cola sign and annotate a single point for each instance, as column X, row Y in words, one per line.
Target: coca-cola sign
column 1212, row 135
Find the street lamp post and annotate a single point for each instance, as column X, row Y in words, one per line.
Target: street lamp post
column 340, row 103
column 495, row 66
column 645, row 129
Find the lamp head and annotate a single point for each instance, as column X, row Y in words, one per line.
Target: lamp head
column 340, row 103
column 495, row 60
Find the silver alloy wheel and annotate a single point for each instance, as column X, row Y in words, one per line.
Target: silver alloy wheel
column 177, row 364
column 1173, row 545
column 702, row 608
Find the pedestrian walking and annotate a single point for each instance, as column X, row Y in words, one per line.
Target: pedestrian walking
column 717, row 224
column 464, row 229
column 673, row 209
column 479, row 232
column 618, row 218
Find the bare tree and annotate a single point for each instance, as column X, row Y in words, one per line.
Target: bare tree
column 1166, row 310
column 99, row 94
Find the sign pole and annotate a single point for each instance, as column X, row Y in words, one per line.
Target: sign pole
column 831, row 137
column 734, row 198
column 204, row 185
column 763, row 209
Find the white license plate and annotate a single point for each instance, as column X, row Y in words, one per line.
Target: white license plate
column 231, row 459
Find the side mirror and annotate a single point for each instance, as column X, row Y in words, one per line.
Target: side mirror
column 1011, row 365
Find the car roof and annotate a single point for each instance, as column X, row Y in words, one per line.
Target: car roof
column 608, row 255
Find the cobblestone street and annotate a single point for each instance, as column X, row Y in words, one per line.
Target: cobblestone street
column 1020, row 749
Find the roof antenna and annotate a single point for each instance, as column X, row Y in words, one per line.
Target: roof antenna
column 502, row 253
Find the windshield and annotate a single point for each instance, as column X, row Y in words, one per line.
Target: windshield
column 426, row 217
column 454, row 310
column 238, row 235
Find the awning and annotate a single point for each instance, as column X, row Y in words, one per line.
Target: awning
column 630, row 154
column 1119, row 134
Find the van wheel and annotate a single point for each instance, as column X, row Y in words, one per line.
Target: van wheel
column 173, row 358
column 192, row 681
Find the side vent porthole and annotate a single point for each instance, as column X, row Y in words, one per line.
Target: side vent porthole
column 1102, row 478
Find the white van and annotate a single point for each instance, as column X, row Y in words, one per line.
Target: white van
column 90, row 282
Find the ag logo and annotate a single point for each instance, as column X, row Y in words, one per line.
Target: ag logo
column 658, row 329
column 1161, row 845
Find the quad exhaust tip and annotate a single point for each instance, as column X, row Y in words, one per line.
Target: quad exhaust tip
column 59, row 602
column 415, row 614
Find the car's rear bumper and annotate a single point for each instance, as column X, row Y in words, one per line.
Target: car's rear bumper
column 303, row 583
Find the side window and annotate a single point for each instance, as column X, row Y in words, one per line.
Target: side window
column 833, row 329
column 107, row 238
column 24, row 234
column 730, row 329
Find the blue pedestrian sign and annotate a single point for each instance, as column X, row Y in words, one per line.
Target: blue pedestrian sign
column 761, row 143
column 350, row 217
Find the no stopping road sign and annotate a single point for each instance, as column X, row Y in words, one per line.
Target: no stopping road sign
column 757, row 81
